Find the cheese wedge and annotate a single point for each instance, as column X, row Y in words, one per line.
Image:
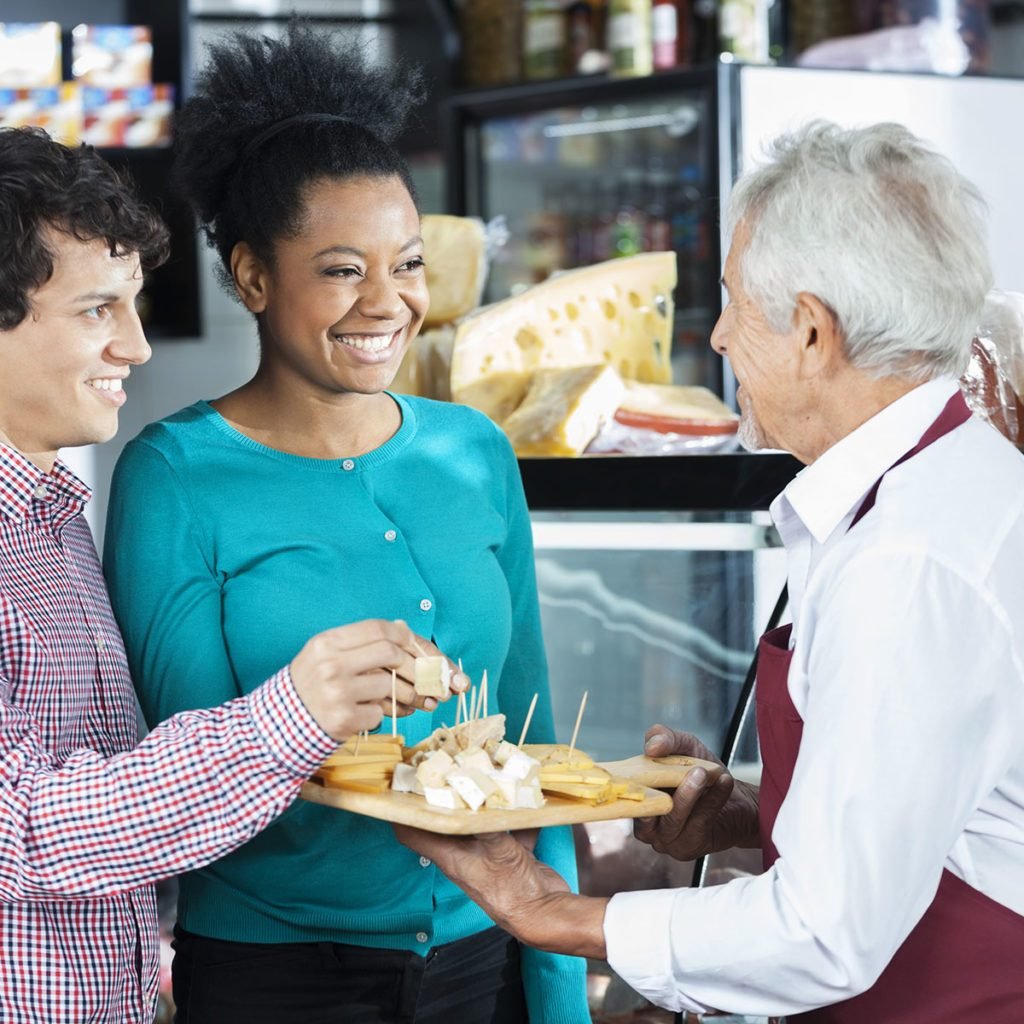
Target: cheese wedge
column 455, row 252
column 618, row 312
column 563, row 410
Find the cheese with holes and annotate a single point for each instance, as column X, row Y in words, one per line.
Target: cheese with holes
column 618, row 312
column 455, row 253
column 563, row 410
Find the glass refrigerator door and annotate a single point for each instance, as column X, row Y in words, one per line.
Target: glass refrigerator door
column 600, row 174
column 655, row 617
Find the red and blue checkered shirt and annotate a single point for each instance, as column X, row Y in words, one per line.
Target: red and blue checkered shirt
column 89, row 816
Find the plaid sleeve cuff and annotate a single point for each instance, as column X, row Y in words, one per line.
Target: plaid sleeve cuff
column 292, row 735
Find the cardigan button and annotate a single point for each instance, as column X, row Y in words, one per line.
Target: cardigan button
column 390, row 535
column 426, row 604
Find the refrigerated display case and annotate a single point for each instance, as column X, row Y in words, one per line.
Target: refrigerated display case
column 584, row 170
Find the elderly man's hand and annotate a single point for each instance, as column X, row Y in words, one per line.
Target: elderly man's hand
column 530, row 901
column 705, row 817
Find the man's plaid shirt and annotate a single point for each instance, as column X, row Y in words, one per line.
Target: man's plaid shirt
column 90, row 817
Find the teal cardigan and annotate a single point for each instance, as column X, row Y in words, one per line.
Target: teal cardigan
column 224, row 556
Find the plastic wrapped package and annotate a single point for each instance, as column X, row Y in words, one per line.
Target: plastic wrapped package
column 994, row 381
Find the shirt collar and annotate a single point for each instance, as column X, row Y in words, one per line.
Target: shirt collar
column 828, row 490
column 20, row 478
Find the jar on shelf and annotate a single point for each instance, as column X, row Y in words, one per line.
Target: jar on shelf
column 491, row 42
column 543, row 39
column 629, row 37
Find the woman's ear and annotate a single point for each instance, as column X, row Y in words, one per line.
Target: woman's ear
column 249, row 275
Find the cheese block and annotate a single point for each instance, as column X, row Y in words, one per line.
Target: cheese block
column 563, row 410
column 618, row 312
column 675, row 409
column 455, row 253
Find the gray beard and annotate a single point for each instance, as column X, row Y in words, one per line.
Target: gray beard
column 749, row 434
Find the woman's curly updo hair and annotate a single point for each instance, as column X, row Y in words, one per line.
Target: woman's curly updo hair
column 44, row 185
column 247, row 184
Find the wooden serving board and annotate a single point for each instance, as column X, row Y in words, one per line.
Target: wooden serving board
column 410, row 809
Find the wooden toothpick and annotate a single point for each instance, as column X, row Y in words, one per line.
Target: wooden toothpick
column 472, row 704
column 461, row 706
column 579, row 718
column 423, row 653
column 359, row 736
column 394, row 707
column 526, row 724
column 483, row 695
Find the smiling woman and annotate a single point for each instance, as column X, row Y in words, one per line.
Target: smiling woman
column 311, row 494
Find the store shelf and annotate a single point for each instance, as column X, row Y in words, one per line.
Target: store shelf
column 739, row 482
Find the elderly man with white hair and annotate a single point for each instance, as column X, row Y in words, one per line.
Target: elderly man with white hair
column 890, row 712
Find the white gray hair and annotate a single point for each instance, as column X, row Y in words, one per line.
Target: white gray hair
column 883, row 230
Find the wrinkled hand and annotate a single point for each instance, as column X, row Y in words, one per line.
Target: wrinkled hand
column 528, row 899
column 705, row 817
column 343, row 675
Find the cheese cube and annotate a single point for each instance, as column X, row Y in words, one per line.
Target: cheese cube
column 475, row 758
column 529, row 796
column 433, row 677
column 474, row 787
column 520, row 766
column 443, row 796
column 434, row 768
column 506, row 787
column 504, row 752
column 564, row 409
column 404, row 780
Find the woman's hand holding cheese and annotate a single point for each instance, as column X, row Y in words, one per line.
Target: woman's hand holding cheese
column 343, row 675
column 705, row 817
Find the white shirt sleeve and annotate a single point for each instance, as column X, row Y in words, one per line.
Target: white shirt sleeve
column 913, row 718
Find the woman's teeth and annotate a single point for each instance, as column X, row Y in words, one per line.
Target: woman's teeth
column 105, row 383
column 367, row 342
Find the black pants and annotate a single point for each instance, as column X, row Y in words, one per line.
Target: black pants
column 477, row 980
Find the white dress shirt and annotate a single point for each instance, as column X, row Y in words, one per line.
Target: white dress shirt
column 908, row 672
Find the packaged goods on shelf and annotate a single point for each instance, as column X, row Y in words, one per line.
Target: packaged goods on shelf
column 55, row 108
column 112, row 56
column 30, row 54
column 137, row 117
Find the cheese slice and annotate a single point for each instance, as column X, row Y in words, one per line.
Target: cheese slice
column 675, row 408
column 563, row 410
column 618, row 312
column 455, row 252
column 433, row 677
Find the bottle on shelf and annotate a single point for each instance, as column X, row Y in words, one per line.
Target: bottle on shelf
column 543, row 39
column 629, row 37
column 585, row 36
column 670, row 34
column 743, row 30
column 704, row 31
column 491, row 42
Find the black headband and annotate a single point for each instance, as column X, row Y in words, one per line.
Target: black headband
column 279, row 126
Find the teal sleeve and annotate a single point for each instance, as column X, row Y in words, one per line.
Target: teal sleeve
column 164, row 590
column 556, row 991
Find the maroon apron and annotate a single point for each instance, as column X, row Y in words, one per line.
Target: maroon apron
column 964, row 960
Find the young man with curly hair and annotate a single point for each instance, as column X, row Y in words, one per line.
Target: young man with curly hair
column 89, row 816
